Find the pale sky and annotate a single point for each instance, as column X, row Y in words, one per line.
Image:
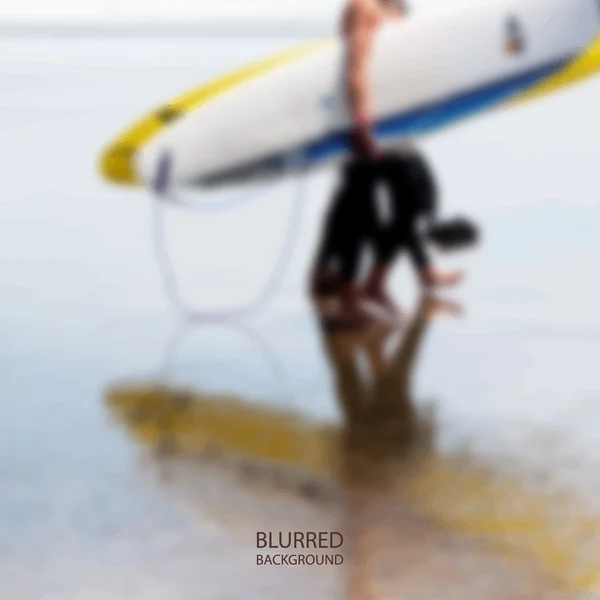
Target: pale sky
column 235, row 9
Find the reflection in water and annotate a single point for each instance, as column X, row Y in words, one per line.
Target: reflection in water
column 382, row 426
column 393, row 479
column 173, row 347
column 413, row 517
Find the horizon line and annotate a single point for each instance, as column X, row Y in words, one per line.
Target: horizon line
column 119, row 27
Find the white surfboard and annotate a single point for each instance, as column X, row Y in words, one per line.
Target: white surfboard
column 428, row 71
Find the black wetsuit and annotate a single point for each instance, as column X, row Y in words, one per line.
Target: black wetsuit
column 353, row 221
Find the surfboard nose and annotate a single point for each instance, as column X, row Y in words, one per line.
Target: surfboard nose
column 116, row 164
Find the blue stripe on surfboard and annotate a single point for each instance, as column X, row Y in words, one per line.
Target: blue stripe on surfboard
column 434, row 116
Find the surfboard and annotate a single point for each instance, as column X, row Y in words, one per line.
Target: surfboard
column 431, row 70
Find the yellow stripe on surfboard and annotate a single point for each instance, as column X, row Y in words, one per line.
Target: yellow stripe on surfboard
column 116, row 162
column 580, row 68
column 455, row 491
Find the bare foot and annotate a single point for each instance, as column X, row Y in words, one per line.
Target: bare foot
column 374, row 291
column 350, row 315
column 436, row 277
column 325, row 282
column 384, row 300
column 352, row 311
column 324, row 306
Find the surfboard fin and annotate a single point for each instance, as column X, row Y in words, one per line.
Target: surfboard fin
column 161, row 182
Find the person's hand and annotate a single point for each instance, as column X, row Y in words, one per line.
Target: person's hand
column 362, row 142
column 437, row 277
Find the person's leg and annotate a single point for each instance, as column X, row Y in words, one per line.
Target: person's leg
column 343, row 222
column 344, row 240
column 324, row 280
column 426, row 205
column 356, row 234
column 414, row 197
column 388, row 239
column 375, row 288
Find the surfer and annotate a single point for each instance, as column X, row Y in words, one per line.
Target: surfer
column 352, row 220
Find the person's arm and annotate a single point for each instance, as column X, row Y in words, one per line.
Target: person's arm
column 360, row 28
column 359, row 46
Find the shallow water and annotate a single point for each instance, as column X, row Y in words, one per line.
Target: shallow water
column 515, row 381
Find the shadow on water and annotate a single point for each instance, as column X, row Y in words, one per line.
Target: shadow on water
column 416, row 514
